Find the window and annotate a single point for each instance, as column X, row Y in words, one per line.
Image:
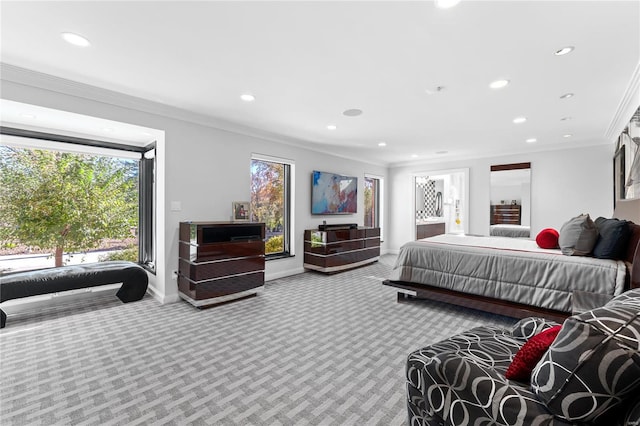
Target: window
column 271, row 200
column 89, row 201
column 373, row 202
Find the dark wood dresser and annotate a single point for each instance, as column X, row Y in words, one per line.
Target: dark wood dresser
column 220, row 261
column 507, row 214
column 337, row 250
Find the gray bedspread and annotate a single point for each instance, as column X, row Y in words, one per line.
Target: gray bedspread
column 505, row 268
column 513, row 231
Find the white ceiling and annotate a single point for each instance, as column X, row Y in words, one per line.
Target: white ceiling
column 307, row 62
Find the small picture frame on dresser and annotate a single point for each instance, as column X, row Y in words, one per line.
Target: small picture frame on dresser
column 240, row 211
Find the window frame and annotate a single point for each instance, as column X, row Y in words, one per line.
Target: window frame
column 289, row 202
column 378, row 202
column 146, row 185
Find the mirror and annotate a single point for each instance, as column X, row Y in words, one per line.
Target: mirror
column 510, row 213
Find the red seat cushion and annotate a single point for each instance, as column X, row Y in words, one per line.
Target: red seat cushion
column 547, row 238
column 530, row 353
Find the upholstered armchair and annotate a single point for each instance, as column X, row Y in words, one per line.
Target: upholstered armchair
column 589, row 375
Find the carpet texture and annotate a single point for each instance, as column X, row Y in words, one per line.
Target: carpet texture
column 310, row 349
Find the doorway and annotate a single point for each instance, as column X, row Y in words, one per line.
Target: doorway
column 441, row 202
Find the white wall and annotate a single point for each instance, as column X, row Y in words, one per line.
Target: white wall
column 564, row 183
column 205, row 168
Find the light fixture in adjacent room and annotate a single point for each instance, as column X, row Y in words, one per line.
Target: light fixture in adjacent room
column 437, row 89
column 567, row 136
column 567, row 96
column 332, row 127
column 499, row 84
column 414, row 155
column 565, row 50
column 382, row 144
column 446, row 4
column 76, row 39
column 247, row 97
column 519, row 120
column 531, row 140
column 354, row 112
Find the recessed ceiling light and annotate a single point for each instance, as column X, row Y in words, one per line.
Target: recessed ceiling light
column 531, row 140
column 564, row 51
column 332, row 127
column 27, row 115
column 499, row 84
column 247, row 97
column 442, row 152
column 414, row 155
column 435, row 90
column 382, row 144
column 519, row 120
column 446, row 4
column 352, row 112
column 75, row 39
column 568, row 135
column 566, row 96
column 566, row 118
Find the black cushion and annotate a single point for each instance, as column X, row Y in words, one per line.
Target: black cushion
column 133, row 277
column 613, row 238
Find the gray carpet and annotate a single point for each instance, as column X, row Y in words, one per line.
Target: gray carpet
column 310, row 349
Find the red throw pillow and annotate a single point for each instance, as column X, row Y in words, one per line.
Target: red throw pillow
column 530, row 353
column 548, row 238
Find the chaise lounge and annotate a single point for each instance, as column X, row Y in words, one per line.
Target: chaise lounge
column 589, row 375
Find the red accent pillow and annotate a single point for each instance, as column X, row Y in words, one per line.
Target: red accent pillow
column 530, row 354
column 548, row 238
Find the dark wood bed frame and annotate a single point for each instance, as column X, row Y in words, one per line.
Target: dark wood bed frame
column 409, row 290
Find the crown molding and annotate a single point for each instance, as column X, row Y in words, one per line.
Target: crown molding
column 499, row 154
column 64, row 86
column 628, row 105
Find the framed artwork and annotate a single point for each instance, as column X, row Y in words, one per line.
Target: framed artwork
column 240, row 211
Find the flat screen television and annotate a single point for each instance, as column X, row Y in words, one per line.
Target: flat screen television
column 333, row 194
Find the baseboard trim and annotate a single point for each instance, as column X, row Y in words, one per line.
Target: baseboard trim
column 283, row 274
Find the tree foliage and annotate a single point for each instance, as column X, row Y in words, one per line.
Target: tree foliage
column 64, row 201
column 267, row 198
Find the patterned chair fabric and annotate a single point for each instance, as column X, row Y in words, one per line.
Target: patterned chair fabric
column 594, row 364
column 460, row 381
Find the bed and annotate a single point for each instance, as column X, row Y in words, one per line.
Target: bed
column 513, row 231
column 510, row 276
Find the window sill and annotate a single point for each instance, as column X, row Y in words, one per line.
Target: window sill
column 278, row 256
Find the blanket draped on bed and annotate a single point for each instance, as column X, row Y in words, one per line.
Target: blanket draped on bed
column 505, row 268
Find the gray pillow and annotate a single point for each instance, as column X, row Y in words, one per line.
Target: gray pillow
column 578, row 236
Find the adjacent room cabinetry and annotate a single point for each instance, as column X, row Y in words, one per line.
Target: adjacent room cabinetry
column 425, row 230
column 340, row 249
column 508, row 214
column 220, row 261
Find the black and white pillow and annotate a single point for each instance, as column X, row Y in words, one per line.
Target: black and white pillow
column 593, row 366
